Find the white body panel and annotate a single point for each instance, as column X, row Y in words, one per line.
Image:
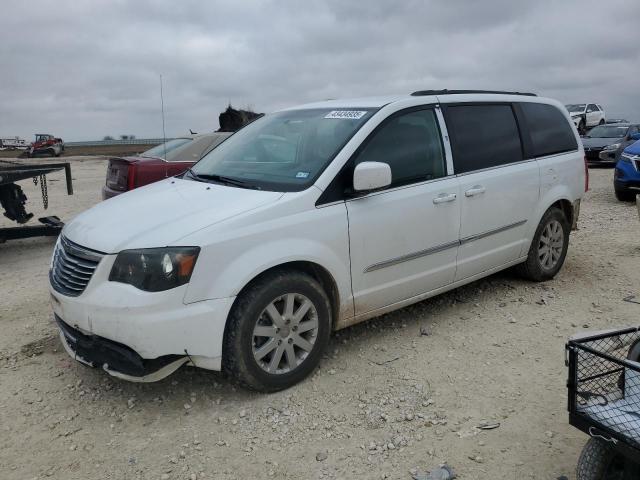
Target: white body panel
column 402, row 243
column 496, row 205
column 383, row 250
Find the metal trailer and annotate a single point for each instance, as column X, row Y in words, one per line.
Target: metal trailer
column 13, row 199
column 604, row 401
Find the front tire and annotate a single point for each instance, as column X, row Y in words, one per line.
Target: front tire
column 624, row 196
column 582, row 127
column 548, row 247
column 277, row 331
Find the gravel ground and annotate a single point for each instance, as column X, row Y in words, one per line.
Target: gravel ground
column 404, row 391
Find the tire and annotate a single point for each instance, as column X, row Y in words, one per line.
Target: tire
column 582, row 128
column 624, row 196
column 52, row 152
column 599, row 461
column 537, row 267
column 601, row 122
column 243, row 353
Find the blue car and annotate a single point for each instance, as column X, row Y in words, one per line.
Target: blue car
column 626, row 177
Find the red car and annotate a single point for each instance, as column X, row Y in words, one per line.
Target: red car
column 165, row 160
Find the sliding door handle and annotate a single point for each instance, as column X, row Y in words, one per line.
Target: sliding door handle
column 444, row 197
column 475, row 190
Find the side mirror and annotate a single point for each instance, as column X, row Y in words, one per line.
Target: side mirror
column 635, row 136
column 371, row 176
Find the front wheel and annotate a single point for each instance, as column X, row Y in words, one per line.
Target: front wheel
column 277, row 331
column 624, row 196
column 582, row 127
column 548, row 247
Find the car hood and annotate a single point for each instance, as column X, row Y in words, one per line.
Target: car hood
column 633, row 149
column 575, row 114
column 599, row 142
column 160, row 214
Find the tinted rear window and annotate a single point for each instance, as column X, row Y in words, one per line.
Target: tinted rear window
column 483, row 136
column 549, row 129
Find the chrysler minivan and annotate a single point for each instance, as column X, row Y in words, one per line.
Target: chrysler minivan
column 312, row 219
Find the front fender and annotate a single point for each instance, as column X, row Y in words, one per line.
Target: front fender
column 319, row 236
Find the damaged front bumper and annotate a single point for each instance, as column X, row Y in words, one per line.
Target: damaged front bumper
column 115, row 358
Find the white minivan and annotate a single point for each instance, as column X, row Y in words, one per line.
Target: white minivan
column 312, row 219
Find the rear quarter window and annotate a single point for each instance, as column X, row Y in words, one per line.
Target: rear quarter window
column 549, row 129
column 483, row 136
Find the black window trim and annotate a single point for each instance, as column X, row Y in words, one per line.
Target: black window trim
column 523, row 133
column 332, row 194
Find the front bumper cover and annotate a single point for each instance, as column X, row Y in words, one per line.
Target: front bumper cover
column 116, row 358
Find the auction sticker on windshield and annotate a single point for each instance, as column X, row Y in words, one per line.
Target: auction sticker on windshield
column 350, row 114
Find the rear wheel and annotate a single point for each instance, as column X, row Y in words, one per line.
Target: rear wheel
column 277, row 331
column 601, row 122
column 548, row 247
column 599, row 461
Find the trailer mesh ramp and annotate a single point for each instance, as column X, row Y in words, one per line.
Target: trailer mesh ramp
column 605, row 388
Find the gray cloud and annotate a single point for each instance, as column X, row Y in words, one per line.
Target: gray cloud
column 87, row 69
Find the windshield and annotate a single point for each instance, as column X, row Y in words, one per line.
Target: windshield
column 607, row 132
column 576, row 107
column 284, row 151
column 161, row 150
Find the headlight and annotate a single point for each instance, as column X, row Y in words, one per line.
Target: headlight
column 613, row 146
column 155, row 269
column 625, row 157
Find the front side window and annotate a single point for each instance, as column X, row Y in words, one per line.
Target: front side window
column 592, row 108
column 549, row 129
column 410, row 144
column 284, row 151
column 483, row 136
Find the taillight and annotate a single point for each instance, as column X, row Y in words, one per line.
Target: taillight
column 586, row 175
column 131, row 177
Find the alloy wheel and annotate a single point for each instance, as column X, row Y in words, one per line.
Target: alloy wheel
column 550, row 245
column 285, row 333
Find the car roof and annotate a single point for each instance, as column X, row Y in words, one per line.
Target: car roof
column 441, row 96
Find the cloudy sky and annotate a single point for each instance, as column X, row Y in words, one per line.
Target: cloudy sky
column 83, row 70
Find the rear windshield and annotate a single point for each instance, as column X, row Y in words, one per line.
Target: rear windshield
column 285, row 151
column 607, row 132
column 163, row 149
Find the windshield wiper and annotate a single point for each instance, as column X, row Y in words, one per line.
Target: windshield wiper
column 223, row 180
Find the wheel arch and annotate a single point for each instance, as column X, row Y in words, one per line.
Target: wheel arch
column 314, row 270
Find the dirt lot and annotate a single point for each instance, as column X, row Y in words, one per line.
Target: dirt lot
column 386, row 400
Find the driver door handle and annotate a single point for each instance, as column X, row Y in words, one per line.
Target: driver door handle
column 444, row 197
column 475, row 190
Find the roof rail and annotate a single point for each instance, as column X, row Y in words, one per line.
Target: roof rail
column 421, row 93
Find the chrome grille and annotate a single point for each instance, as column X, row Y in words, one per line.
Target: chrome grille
column 72, row 267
